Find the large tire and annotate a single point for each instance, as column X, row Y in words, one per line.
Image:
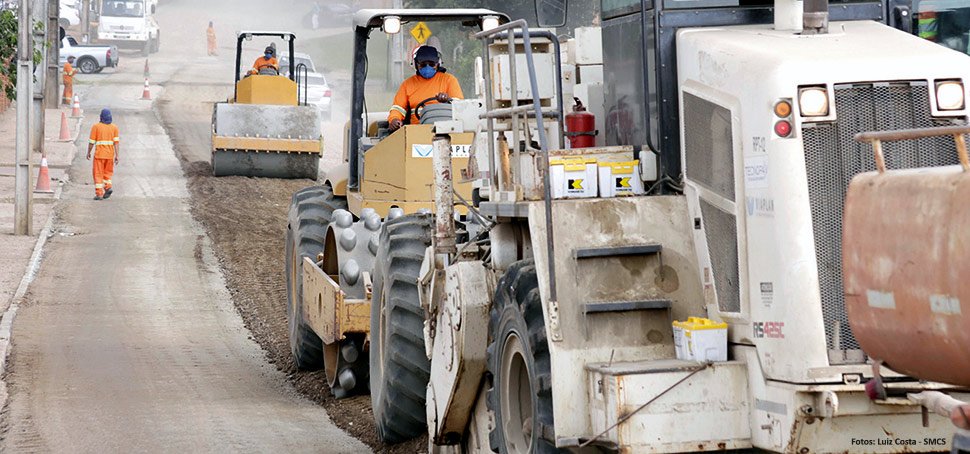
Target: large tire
column 310, row 212
column 518, row 360
column 399, row 368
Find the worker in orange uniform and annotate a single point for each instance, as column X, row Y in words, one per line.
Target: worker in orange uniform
column 104, row 140
column 430, row 84
column 267, row 61
column 69, row 73
column 210, row 34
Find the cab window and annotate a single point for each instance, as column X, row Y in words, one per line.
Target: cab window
column 944, row 21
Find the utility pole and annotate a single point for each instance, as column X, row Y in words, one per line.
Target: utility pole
column 25, row 68
column 38, row 15
column 85, row 21
column 52, row 98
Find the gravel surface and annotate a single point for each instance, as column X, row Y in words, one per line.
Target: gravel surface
column 246, row 220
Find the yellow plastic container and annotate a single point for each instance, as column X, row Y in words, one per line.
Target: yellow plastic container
column 620, row 178
column 573, row 177
column 700, row 339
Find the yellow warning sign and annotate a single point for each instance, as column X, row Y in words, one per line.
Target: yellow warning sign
column 576, row 184
column 623, row 182
column 421, row 33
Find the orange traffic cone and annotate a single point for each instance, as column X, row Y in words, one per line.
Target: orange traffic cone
column 146, row 95
column 76, row 111
column 43, row 178
column 147, row 72
column 65, row 132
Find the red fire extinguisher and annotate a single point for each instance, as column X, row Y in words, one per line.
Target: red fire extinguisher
column 581, row 127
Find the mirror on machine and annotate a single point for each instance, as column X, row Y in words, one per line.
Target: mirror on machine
column 551, row 13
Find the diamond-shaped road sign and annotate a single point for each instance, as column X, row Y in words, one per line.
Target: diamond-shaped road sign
column 421, row 33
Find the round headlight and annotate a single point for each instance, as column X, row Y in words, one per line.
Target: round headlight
column 949, row 96
column 489, row 22
column 813, row 102
column 392, row 25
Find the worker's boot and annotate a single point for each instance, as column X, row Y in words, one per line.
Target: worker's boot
column 97, row 197
column 107, row 193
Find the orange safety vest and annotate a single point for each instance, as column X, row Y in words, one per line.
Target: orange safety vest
column 415, row 89
column 262, row 62
column 69, row 72
column 104, row 138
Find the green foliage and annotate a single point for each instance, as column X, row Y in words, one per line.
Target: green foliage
column 9, row 31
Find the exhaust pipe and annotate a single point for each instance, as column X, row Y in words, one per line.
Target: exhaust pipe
column 815, row 20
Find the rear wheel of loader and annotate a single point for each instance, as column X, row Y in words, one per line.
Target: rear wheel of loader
column 399, row 368
column 518, row 360
column 310, row 212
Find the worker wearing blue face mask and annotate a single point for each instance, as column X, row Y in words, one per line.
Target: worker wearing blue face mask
column 430, row 84
column 266, row 63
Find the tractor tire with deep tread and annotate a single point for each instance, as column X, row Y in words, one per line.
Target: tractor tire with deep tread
column 399, row 368
column 310, row 212
column 518, row 361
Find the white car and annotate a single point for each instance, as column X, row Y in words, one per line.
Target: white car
column 70, row 14
column 298, row 59
column 318, row 94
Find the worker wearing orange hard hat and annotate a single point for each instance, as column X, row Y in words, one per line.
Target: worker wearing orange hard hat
column 430, row 84
column 104, row 141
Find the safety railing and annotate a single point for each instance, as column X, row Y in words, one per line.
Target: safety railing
column 508, row 32
column 876, row 138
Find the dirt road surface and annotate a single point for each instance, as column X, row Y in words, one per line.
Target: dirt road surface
column 157, row 319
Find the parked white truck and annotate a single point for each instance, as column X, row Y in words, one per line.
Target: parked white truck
column 129, row 24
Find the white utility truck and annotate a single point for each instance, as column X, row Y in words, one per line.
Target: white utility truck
column 129, row 24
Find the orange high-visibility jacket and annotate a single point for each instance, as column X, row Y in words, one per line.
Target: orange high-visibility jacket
column 69, row 72
column 262, row 62
column 104, row 137
column 415, row 89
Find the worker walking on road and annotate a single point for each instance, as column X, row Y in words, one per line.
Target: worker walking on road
column 104, row 140
column 210, row 34
column 69, row 72
column 430, row 84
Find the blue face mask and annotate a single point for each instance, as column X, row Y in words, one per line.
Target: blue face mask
column 268, row 56
column 428, row 72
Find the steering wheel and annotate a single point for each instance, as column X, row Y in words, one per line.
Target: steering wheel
column 420, row 106
column 268, row 70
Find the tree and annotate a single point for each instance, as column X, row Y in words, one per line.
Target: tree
column 9, row 33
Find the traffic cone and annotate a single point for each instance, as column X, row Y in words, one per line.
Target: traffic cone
column 76, row 111
column 146, row 95
column 43, row 178
column 65, row 132
column 147, row 71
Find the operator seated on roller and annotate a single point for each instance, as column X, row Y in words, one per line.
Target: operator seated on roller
column 430, row 84
column 267, row 64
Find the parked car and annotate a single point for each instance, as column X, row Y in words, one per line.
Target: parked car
column 88, row 58
column 318, row 94
column 298, row 58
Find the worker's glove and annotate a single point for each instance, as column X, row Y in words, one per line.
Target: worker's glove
column 443, row 97
column 395, row 124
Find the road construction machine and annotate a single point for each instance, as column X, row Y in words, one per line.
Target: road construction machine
column 679, row 289
column 267, row 129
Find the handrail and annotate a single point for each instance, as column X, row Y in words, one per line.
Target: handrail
column 877, row 137
column 302, row 76
column 488, row 36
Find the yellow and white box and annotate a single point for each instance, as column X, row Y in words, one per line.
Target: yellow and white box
column 573, row 177
column 620, row 178
column 700, row 339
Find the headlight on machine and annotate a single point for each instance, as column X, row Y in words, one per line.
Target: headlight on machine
column 813, row 102
column 950, row 95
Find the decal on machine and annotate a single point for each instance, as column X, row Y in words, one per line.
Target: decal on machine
column 767, row 293
column 758, row 144
column 424, row 151
column 762, row 207
column 768, row 330
column 756, row 172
